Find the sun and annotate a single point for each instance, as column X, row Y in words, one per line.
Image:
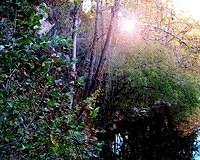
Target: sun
column 127, row 25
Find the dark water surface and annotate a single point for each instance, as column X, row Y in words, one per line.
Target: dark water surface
column 150, row 139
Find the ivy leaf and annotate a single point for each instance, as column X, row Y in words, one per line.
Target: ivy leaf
column 81, row 81
column 52, row 102
column 50, row 79
column 94, row 112
column 10, row 104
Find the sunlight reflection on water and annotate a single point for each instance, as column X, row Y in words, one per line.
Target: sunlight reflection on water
column 196, row 154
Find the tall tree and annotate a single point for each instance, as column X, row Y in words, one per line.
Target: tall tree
column 73, row 74
column 98, row 73
column 93, row 52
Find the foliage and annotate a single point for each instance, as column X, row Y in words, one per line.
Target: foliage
column 151, row 75
column 35, row 121
column 191, row 123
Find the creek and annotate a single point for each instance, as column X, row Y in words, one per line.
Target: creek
column 150, row 138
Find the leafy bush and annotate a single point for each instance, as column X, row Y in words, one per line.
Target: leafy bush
column 151, row 75
column 35, row 121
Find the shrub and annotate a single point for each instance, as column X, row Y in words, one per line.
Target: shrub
column 150, row 75
column 35, row 121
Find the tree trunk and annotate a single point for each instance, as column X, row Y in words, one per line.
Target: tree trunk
column 102, row 60
column 93, row 53
column 101, row 25
column 73, row 74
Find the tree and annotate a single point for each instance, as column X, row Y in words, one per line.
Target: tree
column 75, row 17
column 98, row 73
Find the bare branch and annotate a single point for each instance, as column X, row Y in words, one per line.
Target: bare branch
column 181, row 41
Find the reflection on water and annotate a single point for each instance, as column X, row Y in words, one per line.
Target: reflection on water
column 196, row 154
column 117, row 144
column 154, row 138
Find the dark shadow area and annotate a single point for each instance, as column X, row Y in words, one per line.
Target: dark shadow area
column 152, row 138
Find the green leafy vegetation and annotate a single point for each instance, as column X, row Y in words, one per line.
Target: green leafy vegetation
column 152, row 76
column 35, row 120
column 70, row 79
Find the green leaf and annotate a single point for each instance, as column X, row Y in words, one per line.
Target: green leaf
column 94, row 112
column 52, row 102
column 10, row 104
column 50, row 79
column 81, row 81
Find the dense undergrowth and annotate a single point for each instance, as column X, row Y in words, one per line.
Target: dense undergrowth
column 149, row 76
column 35, row 120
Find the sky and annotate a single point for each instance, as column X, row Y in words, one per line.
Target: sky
column 189, row 7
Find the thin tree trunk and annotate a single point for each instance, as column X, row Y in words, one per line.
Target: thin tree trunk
column 99, row 70
column 101, row 24
column 93, row 52
column 73, row 74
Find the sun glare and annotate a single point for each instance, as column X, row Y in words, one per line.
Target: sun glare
column 127, row 25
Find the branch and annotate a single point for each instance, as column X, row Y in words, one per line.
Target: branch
column 165, row 31
column 195, row 49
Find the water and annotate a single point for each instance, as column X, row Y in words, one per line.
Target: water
column 152, row 138
column 196, row 154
